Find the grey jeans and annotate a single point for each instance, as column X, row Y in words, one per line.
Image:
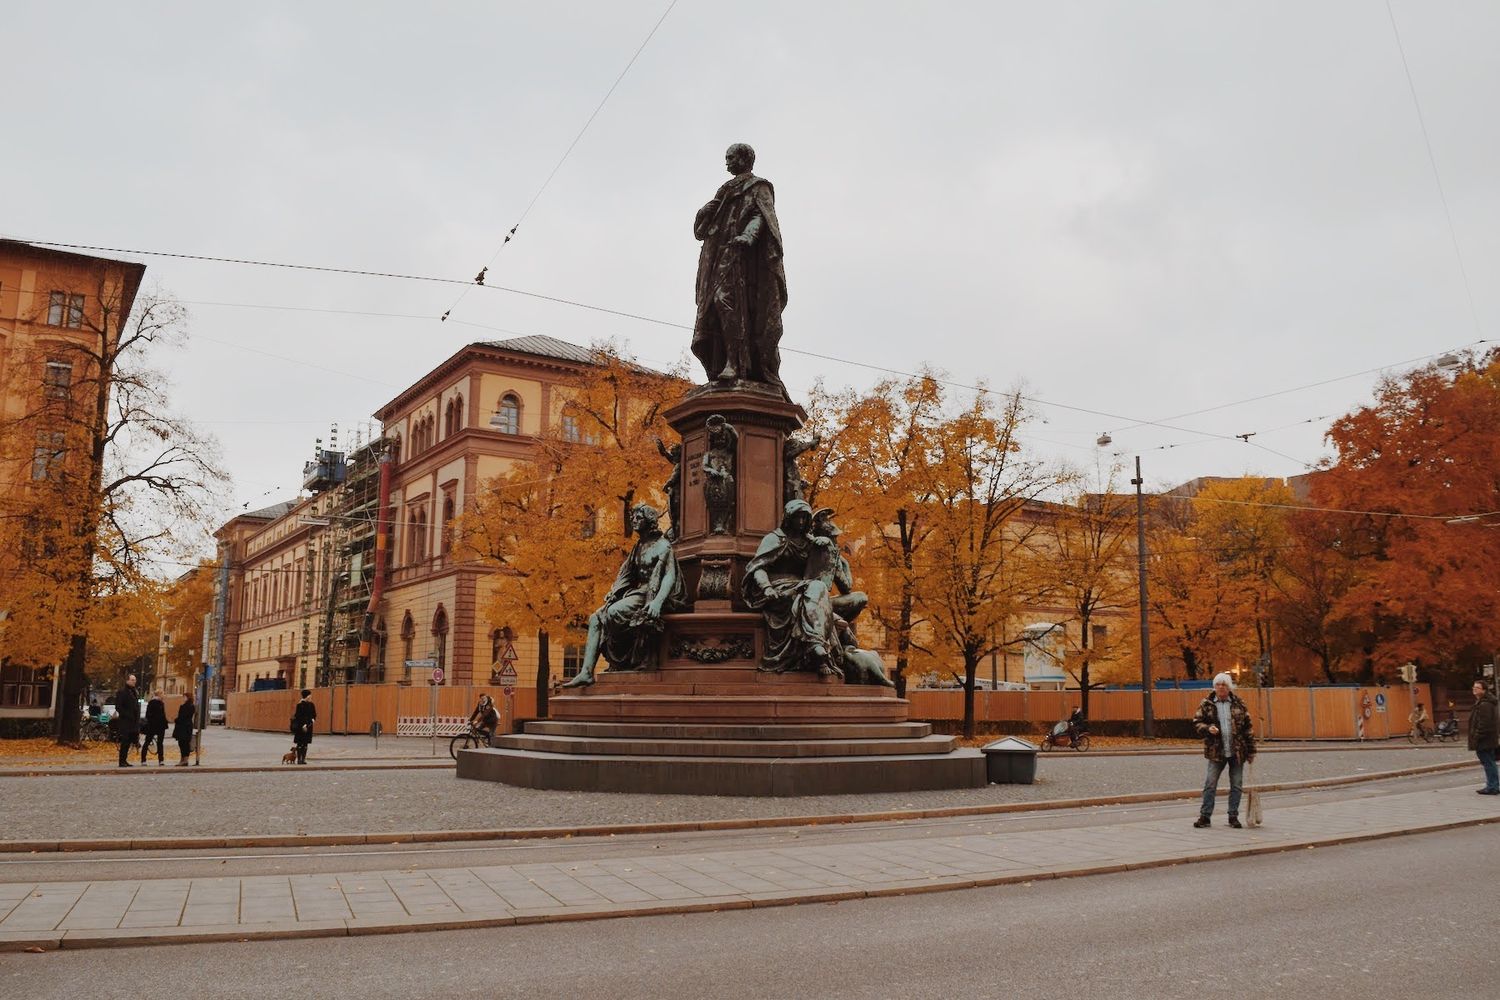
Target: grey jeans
column 1211, row 785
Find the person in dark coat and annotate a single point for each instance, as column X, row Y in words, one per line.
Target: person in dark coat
column 1484, row 736
column 302, row 725
column 1223, row 722
column 182, row 729
column 128, row 716
column 154, row 728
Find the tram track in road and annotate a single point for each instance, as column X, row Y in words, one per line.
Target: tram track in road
column 211, row 862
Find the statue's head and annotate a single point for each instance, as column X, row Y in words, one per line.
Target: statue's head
column 644, row 518
column 739, row 158
column 822, row 523
column 716, row 424
column 796, row 517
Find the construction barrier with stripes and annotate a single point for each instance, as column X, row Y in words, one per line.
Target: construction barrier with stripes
column 1332, row 713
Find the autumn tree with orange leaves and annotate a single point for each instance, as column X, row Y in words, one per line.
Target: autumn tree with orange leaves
column 1089, row 563
column 552, row 527
column 982, row 565
column 868, row 468
column 1422, row 462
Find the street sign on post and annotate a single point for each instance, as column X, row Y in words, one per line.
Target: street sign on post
column 508, row 688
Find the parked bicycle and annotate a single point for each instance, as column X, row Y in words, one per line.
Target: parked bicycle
column 472, row 740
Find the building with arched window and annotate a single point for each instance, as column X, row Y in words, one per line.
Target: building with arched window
column 463, row 423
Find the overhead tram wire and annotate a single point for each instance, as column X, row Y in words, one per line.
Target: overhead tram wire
column 1134, row 421
column 479, row 278
column 1437, row 175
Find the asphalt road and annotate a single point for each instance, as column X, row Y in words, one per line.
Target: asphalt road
column 1386, row 918
column 173, row 802
column 70, row 866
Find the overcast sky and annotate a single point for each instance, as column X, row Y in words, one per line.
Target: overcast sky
column 1138, row 208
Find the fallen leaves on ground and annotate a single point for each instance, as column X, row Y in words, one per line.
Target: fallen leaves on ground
column 47, row 751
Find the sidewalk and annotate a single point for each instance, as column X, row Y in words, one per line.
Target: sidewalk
column 136, row 912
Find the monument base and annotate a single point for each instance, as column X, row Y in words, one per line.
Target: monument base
column 662, row 760
column 708, row 721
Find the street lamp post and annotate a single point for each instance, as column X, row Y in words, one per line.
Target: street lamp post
column 1148, row 726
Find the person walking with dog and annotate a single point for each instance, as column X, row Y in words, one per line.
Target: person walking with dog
column 1484, row 736
column 182, row 729
column 302, row 725
column 1223, row 721
column 154, row 728
column 127, row 719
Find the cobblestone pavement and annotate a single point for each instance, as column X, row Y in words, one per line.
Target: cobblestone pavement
column 178, row 803
column 95, row 913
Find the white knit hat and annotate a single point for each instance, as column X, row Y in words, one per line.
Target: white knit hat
column 1226, row 679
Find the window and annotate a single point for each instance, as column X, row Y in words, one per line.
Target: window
column 447, row 524
column 507, row 418
column 1100, row 636
column 458, row 413
column 440, row 636
column 25, row 687
column 590, row 526
column 65, row 310
column 570, row 431
column 47, row 457
column 408, row 635
column 57, row 379
column 572, row 660
column 497, row 644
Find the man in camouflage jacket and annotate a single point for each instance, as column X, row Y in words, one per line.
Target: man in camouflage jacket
column 1223, row 721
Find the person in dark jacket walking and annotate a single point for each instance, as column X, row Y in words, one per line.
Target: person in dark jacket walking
column 182, row 729
column 154, row 728
column 302, row 725
column 1223, row 720
column 128, row 718
column 1484, row 736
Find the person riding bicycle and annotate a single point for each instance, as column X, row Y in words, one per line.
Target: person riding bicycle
column 1076, row 722
column 485, row 719
column 1419, row 720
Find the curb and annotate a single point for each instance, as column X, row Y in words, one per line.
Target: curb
column 683, row 826
column 68, row 772
column 354, row 927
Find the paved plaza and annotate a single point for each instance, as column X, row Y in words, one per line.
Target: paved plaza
column 880, row 862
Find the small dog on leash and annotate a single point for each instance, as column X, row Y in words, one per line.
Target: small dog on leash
column 290, row 757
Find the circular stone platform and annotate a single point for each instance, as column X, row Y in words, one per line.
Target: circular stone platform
column 695, row 727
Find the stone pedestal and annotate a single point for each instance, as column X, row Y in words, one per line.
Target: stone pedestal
column 702, row 718
column 714, row 564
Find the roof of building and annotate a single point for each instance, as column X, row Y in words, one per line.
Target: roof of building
column 543, row 346
column 279, row 509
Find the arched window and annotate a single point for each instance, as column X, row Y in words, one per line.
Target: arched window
column 376, row 664
column 507, row 418
column 408, row 635
column 395, row 449
column 458, row 413
column 424, row 544
column 440, row 635
column 448, row 419
column 447, row 524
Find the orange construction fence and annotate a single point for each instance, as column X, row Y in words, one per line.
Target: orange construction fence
column 1279, row 713
column 352, row 708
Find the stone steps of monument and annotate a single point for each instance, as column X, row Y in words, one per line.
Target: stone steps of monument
column 728, row 748
column 771, row 687
column 674, row 775
column 688, row 731
column 715, row 708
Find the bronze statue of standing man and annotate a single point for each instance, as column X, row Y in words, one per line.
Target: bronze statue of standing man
column 741, row 287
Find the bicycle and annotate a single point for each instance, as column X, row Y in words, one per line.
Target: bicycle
column 1420, row 731
column 472, row 740
column 94, row 731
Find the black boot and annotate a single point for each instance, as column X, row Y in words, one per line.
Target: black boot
column 1203, row 821
column 1234, row 821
